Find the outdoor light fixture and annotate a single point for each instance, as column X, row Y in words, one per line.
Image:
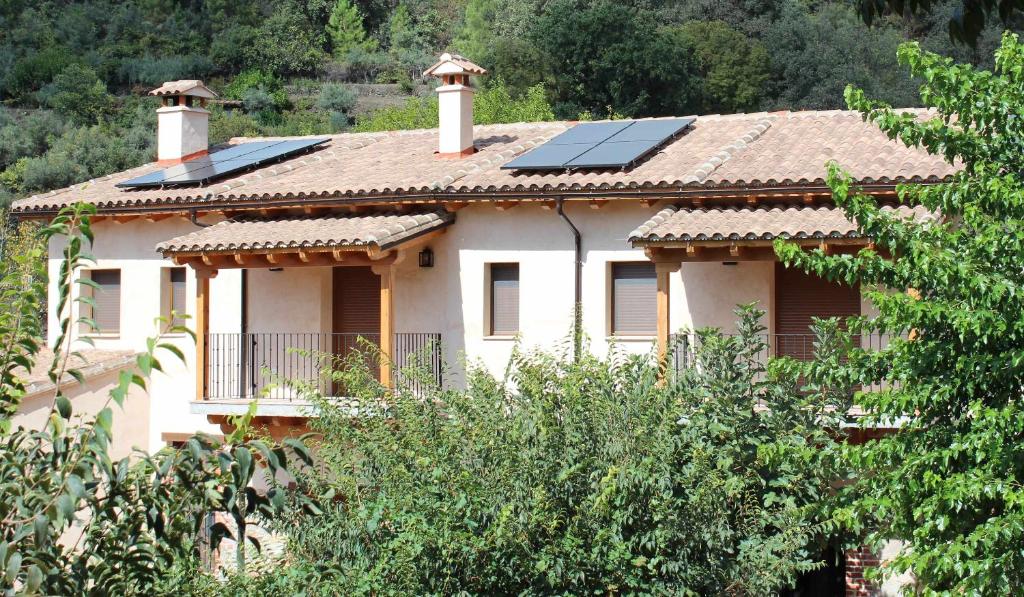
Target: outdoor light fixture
column 426, row 258
column 276, row 269
column 728, row 263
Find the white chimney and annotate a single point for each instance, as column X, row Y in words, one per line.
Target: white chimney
column 182, row 121
column 454, row 104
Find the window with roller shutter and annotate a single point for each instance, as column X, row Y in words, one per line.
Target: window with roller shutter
column 106, row 312
column 504, row 299
column 634, row 300
column 173, row 293
column 801, row 297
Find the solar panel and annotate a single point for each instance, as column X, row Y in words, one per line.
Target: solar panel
column 223, row 163
column 610, row 155
column 616, row 144
column 590, row 132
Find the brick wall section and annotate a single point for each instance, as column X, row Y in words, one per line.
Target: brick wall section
column 857, row 561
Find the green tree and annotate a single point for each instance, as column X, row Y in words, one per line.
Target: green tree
column 733, row 68
column 965, row 24
column 80, row 95
column 345, row 29
column 950, row 483
column 475, row 36
column 287, row 43
column 605, row 55
column 73, row 521
column 492, row 105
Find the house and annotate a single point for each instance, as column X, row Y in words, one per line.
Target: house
column 460, row 240
column 463, row 240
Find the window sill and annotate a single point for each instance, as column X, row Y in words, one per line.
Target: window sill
column 636, row 338
column 500, row 337
column 102, row 335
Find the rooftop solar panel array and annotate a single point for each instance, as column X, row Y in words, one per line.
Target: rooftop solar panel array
column 222, row 163
column 616, row 144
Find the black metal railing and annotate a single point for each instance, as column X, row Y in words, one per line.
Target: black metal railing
column 683, row 347
column 253, row 364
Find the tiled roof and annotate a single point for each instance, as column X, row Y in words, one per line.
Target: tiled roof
column 737, row 151
column 459, row 62
column 380, row 230
column 194, row 86
column 760, row 223
column 90, row 362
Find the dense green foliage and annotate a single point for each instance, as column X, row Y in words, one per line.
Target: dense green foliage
column 493, row 105
column 573, row 477
column 950, row 483
column 73, row 521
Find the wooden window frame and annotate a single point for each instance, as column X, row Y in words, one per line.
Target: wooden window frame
column 610, row 298
column 490, row 332
column 88, row 309
column 167, row 296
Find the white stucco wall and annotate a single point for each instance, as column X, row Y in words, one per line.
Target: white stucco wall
column 449, row 298
column 129, row 247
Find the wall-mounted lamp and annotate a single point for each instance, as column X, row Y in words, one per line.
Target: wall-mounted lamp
column 276, row 269
column 728, row 263
column 426, row 258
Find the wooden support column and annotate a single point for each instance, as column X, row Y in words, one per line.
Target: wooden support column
column 203, row 276
column 663, row 272
column 387, row 321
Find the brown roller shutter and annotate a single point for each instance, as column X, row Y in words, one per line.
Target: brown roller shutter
column 799, row 297
column 634, row 299
column 356, row 313
column 177, row 280
column 504, row 298
column 107, row 312
column 356, row 301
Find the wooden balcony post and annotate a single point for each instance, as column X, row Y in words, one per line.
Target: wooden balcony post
column 203, row 276
column 387, row 321
column 663, row 272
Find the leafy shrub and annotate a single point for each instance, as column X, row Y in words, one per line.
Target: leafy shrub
column 495, row 104
column 37, row 69
column 492, row 105
column 225, row 125
column 73, row 519
column 79, row 94
column 286, row 44
column 28, row 135
column 586, row 477
column 84, row 153
column 257, row 99
column 153, row 70
column 337, row 98
column 252, row 79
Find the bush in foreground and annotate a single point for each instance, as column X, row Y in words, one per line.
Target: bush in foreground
column 576, row 477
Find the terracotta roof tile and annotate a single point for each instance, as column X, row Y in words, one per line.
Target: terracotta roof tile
column 379, row 230
column 184, row 87
column 761, row 223
column 460, row 62
column 736, row 151
column 89, row 362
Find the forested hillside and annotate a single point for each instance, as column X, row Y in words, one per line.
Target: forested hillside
column 73, row 74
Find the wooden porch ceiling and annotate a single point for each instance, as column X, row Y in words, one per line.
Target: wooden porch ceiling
column 740, row 250
column 340, row 256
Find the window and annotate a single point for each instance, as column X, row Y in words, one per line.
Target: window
column 634, row 299
column 504, row 299
column 106, row 313
column 173, row 294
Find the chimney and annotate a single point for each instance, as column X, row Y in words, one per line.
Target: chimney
column 182, row 121
column 454, row 104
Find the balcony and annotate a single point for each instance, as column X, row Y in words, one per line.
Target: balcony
column 243, row 366
column 684, row 347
